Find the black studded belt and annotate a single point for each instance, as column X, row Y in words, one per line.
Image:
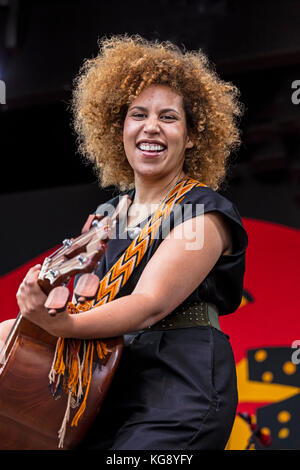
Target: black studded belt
column 187, row 316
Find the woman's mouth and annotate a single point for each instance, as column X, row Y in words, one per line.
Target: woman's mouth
column 151, row 149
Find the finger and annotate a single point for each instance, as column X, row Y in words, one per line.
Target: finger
column 32, row 276
column 34, row 269
column 20, row 298
column 37, row 267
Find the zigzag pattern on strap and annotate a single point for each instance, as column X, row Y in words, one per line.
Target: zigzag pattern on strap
column 119, row 274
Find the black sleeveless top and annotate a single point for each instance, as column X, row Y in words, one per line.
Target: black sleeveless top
column 223, row 286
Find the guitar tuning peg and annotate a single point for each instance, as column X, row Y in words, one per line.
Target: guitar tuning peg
column 92, row 219
column 57, row 300
column 86, row 287
column 67, row 243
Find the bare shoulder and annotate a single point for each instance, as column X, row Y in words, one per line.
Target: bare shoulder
column 223, row 227
column 213, row 224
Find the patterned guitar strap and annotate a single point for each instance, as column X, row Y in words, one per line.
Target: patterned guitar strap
column 72, row 362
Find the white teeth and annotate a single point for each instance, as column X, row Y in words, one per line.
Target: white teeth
column 150, row 147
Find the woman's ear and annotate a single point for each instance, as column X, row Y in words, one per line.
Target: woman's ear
column 189, row 142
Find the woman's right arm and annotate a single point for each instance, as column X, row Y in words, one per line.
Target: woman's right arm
column 5, row 328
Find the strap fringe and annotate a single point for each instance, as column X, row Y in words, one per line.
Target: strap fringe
column 72, row 370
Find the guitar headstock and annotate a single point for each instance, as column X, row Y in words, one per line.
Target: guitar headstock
column 78, row 256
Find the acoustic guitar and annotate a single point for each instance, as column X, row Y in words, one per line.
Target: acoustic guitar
column 30, row 416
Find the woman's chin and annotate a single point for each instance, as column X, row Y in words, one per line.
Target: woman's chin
column 149, row 171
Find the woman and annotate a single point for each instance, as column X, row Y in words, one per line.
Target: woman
column 157, row 122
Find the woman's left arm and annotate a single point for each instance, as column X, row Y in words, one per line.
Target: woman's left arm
column 180, row 264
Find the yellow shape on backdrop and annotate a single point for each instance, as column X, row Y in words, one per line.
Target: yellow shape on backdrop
column 254, row 391
column 251, row 391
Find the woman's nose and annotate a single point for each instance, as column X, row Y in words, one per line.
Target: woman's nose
column 151, row 125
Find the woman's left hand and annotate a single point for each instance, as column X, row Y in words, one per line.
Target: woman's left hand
column 31, row 300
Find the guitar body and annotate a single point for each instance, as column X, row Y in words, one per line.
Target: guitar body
column 29, row 415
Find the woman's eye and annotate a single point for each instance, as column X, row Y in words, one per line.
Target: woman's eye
column 168, row 117
column 138, row 115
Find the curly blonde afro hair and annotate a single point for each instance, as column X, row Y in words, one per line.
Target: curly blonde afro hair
column 123, row 68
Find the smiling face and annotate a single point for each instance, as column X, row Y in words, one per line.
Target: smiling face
column 155, row 134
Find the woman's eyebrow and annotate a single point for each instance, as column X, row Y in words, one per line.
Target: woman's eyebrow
column 165, row 110
column 168, row 110
column 141, row 108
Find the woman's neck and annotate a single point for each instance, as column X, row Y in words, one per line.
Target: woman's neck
column 153, row 191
